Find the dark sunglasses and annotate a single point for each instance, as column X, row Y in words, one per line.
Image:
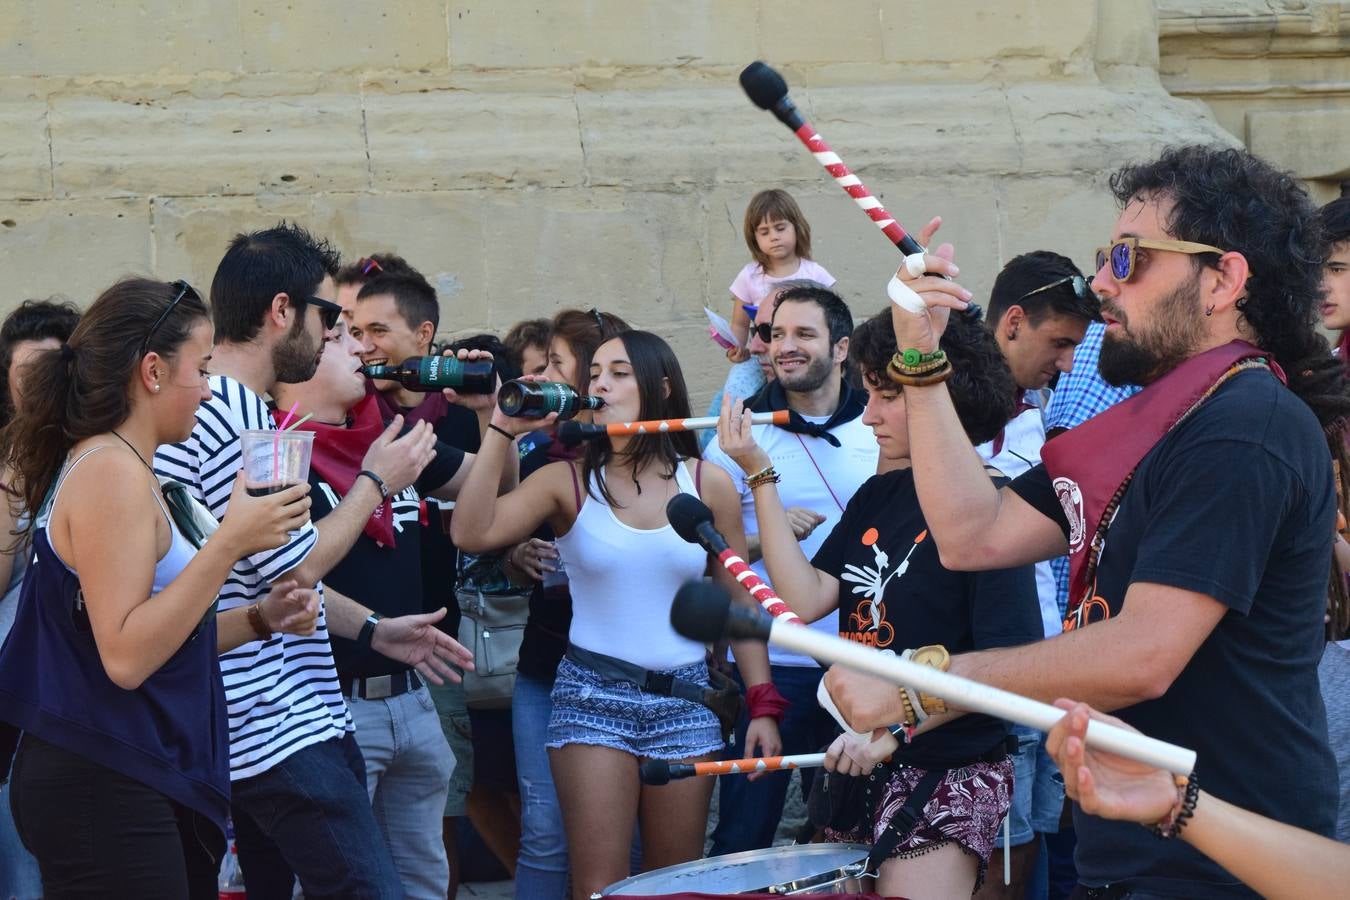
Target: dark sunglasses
column 1080, row 287
column 329, row 312
column 1122, row 253
column 184, row 290
column 764, row 330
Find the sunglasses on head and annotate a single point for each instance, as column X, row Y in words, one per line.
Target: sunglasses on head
column 184, row 289
column 1122, row 253
column 1079, row 283
column 329, row 312
column 368, row 265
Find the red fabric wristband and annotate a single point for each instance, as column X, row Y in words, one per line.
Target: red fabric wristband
column 764, row 700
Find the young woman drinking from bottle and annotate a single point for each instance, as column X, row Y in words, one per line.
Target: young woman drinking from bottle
column 625, row 564
column 121, row 782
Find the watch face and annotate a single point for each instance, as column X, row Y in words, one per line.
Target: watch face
column 935, row 657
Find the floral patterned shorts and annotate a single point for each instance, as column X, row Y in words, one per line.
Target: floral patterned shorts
column 967, row 808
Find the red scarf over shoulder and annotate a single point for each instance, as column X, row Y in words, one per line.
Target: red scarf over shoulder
column 1091, row 465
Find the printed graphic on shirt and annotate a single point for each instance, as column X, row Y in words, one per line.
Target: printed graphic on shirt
column 868, row 624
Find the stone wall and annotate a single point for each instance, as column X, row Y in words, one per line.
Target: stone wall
column 533, row 155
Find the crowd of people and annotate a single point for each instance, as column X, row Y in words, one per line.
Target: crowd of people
column 1121, row 491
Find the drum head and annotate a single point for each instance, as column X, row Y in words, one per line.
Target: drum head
column 795, row 868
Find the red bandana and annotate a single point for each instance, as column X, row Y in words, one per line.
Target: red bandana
column 338, row 452
column 1091, row 465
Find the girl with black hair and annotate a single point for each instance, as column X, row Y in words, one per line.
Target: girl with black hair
column 121, row 782
column 625, row 563
column 884, row 575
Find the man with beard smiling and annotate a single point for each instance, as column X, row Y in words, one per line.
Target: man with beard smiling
column 1197, row 514
column 822, row 457
column 299, row 800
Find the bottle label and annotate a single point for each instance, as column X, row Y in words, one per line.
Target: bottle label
column 442, row 371
column 558, row 398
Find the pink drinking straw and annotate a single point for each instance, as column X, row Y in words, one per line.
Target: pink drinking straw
column 276, row 441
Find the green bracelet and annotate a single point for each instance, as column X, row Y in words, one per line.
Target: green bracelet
column 913, row 357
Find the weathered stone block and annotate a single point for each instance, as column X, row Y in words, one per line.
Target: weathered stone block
column 119, row 37
column 1309, row 142
column 448, row 139
column 983, row 31
column 73, row 247
column 805, row 32
column 529, row 34
column 186, row 146
column 25, row 158
column 318, row 35
column 191, row 233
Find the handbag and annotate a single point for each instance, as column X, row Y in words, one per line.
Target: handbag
column 491, row 625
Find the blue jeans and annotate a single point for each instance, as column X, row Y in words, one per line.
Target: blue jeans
column 541, row 868
column 408, row 767
column 748, row 811
column 310, row 815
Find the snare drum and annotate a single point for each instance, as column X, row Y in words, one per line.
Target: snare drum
column 798, row 870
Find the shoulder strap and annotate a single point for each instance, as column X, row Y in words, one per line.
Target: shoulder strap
column 904, row 820
column 576, row 485
column 698, row 477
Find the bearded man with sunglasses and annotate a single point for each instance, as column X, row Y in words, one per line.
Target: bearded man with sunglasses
column 298, row 784
column 1197, row 514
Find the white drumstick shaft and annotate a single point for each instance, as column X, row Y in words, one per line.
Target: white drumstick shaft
column 973, row 696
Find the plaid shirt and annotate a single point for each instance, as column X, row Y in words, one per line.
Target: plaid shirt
column 1080, row 395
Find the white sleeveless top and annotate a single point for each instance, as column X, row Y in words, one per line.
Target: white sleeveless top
column 623, row 580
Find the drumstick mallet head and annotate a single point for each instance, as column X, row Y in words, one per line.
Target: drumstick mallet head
column 571, row 433
column 768, row 90
column 703, row 612
column 693, row 521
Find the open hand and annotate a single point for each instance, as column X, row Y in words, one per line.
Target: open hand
column 941, row 295
column 399, row 460
column 416, row 641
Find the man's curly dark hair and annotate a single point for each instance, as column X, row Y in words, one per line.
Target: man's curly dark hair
column 1231, row 199
column 982, row 386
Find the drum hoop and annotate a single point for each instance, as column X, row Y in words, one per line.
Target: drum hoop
column 824, row 879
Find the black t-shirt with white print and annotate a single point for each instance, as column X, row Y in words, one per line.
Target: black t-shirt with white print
column 894, row 594
column 1236, row 503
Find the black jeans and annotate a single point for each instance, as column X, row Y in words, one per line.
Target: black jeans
column 98, row 833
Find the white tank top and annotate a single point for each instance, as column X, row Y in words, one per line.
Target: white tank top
column 623, row 580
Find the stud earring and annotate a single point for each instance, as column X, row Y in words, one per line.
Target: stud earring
column 1209, row 311
column 156, row 389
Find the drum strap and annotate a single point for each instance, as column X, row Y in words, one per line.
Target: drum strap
column 905, row 818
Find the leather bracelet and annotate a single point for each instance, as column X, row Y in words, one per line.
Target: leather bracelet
column 766, row 475
column 936, row 377
column 258, row 623
column 379, row 482
column 367, row 632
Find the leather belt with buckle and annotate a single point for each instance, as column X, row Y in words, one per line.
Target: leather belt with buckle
column 381, row 687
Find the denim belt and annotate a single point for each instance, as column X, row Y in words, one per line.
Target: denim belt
column 380, row 687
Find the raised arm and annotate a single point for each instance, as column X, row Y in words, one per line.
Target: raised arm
column 975, row 525
column 811, row 593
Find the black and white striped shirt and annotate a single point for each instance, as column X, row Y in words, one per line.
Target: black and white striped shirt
column 282, row 694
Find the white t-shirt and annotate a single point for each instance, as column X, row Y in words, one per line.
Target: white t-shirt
column 1018, row 451
column 752, row 285
column 816, row 476
column 282, row 693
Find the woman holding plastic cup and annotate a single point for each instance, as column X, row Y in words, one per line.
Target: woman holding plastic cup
column 121, row 781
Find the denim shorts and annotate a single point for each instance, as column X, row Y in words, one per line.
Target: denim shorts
column 589, row 709
column 1038, row 795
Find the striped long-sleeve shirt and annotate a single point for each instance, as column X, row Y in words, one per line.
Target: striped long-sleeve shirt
column 282, row 693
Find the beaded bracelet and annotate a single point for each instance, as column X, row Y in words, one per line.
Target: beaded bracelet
column 1188, row 792
column 906, row 380
column 766, row 475
column 911, row 357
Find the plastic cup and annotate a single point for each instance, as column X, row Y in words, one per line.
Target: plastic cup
column 275, row 460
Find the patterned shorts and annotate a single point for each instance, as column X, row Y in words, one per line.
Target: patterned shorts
column 967, row 808
column 589, row 709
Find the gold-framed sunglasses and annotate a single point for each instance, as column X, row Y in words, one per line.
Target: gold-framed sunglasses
column 1121, row 253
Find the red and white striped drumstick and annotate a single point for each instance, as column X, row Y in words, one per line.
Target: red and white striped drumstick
column 767, row 90
column 659, row 771
column 756, row 587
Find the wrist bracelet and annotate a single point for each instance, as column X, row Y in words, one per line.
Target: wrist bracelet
column 912, row 356
column 766, row 475
column 1188, row 793
column 502, row 431
column 379, row 482
column 258, row 623
column 936, row 377
column 765, row 700
column 367, row 633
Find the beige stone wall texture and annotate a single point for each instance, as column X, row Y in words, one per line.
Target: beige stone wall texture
column 533, row 155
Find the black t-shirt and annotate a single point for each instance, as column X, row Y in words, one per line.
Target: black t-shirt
column 545, row 639
column 894, row 594
column 456, row 427
column 386, row 579
column 1236, row 503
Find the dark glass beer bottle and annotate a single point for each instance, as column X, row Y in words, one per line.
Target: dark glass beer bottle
column 434, row 373
column 536, row 399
